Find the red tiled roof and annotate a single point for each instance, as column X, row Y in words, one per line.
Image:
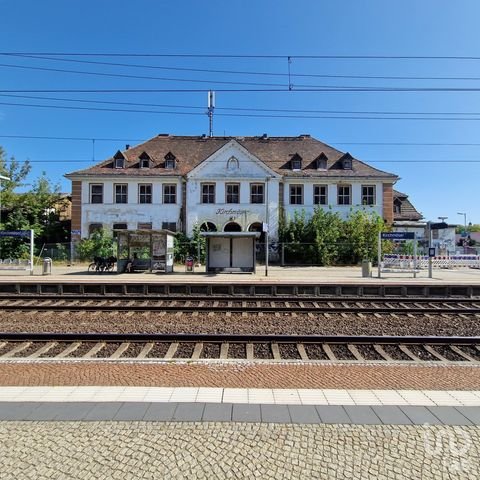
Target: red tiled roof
column 275, row 152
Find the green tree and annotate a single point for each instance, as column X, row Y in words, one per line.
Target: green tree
column 99, row 244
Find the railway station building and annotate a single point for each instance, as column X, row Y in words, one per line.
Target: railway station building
column 231, row 184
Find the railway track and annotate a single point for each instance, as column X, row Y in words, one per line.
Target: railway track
column 312, row 348
column 248, row 304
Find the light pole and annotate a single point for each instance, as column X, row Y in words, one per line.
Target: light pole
column 464, row 220
column 464, row 229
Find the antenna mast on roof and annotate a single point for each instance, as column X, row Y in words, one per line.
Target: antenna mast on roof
column 211, row 108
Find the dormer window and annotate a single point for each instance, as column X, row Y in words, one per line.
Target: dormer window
column 296, row 162
column 119, row 160
column 170, row 161
column 322, row 162
column 144, row 160
column 347, row 162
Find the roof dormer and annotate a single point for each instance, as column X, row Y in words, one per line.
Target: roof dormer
column 170, row 161
column 296, row 162
column 119, row 160
column 144, row 160
column 321, row 162
column 346, row 161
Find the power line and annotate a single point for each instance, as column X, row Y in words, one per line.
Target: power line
column 248, row 109
column 100, row 139
column 236, row 115
column 243, row 72
column 295, row 88
column 142, row 77
column 259, row 56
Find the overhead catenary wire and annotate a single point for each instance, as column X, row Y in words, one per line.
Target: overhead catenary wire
column 246, row 72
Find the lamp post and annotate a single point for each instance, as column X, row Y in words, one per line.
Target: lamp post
column 464, row 220
column 464, row 229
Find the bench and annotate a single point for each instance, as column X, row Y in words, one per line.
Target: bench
column 14, row 264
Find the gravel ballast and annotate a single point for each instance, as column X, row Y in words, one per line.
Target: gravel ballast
column 151, row 322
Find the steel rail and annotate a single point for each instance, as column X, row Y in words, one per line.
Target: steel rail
column 236, row 338
column 239, row 309
column 236, row 298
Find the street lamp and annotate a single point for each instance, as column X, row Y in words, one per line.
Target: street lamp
column 464, row 220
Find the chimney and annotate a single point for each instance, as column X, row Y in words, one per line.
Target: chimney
column 127, row 146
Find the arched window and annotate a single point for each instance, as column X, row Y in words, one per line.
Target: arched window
column 232, row 164
column 208, row 227
column 232, row 227
column 257, row 227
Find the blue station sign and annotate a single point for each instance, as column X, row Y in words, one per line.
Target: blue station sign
column 397, row 235
column 14, row 233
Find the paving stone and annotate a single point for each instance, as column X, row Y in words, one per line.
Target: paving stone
column 472, row 413
column 333, row 414
column 391, row 415
column 275, row 413
column 303, row 414
column 103, row 411
column 16, row 410
column 189, row 412
column 450, row 416
column 73, row 410
column 244, row 412
column 420, row 415
column 160, row 412
column 45, row 411
column 217, row 450
column 217, row 412
column 362, row 415
column 132, row 411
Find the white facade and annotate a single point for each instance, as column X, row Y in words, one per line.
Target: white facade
column 233, row 165
column 229, row 190
column 133, row 213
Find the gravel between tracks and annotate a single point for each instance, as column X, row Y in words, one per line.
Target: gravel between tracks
column 151, row 322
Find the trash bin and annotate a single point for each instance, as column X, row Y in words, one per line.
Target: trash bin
column 366, row 268
column 189, row 264
column 47, row 266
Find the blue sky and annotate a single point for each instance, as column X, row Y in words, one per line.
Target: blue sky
column 441, row 179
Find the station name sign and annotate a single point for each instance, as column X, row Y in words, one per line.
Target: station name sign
column 230, row 211
column 15, row 233
column 398, row 235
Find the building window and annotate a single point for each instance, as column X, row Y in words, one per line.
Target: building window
column 145, row 193
column 257, row 192
column 96, row 193
column 208, row 193
column 120, row 226
column 232, row 193
column 169, row 194
column 94, row 227
column 320, row 195
column 121, row 193
column 172, row 226
column 296, row 194
column 344, row 194
column 144, row 225
column 296, row 162
column 170, row 161
column 144, row 160
column 368, row 194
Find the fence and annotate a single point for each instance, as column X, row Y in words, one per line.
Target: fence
column 451, row 261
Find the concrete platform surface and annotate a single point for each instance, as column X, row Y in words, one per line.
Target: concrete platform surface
column 276, row 274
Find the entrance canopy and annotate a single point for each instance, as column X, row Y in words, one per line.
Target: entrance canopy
column 148, row 249
column 231, row 251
